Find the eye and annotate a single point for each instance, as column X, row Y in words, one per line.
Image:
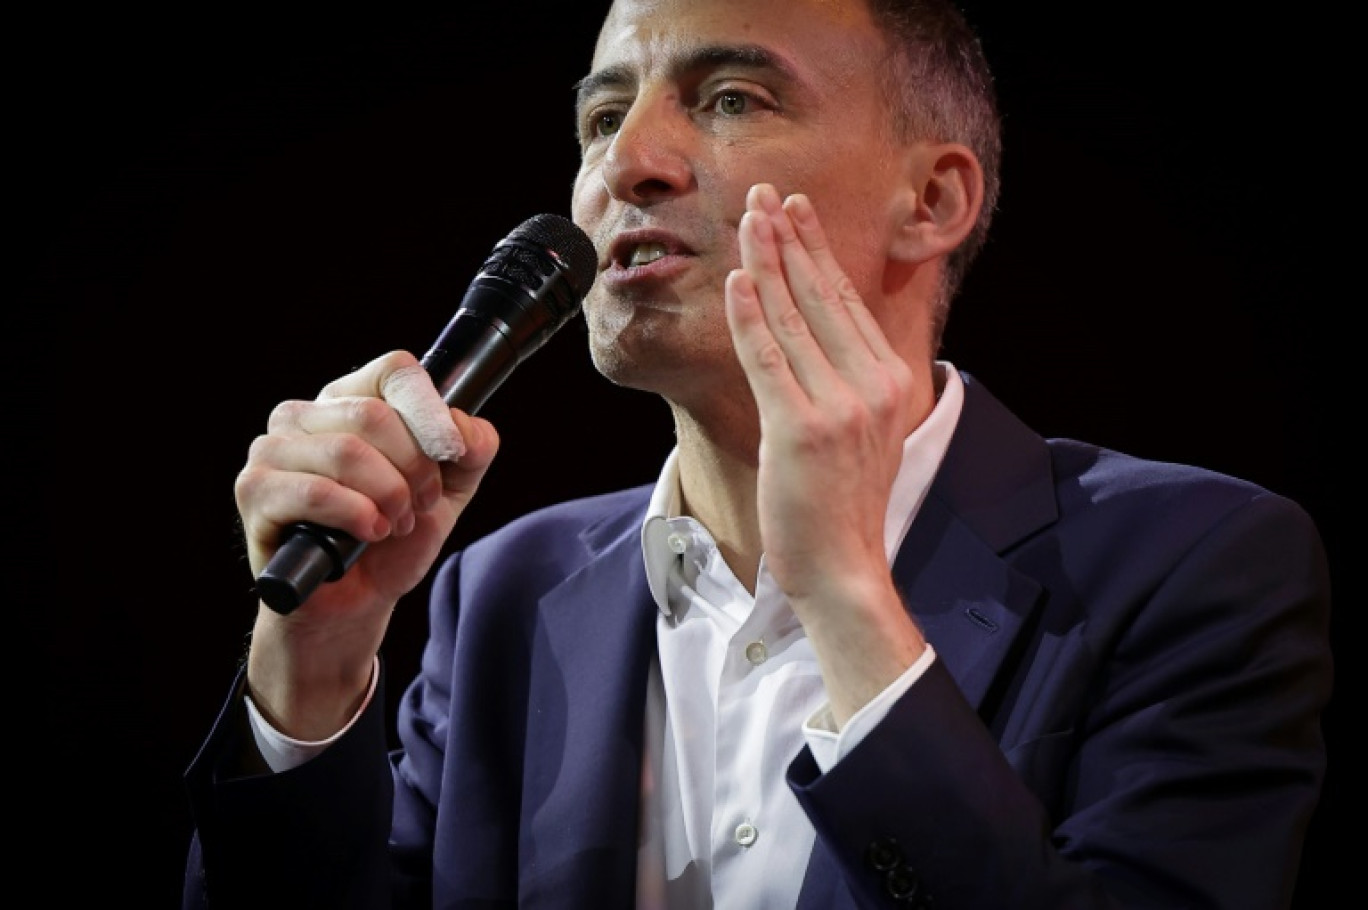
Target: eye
column 732, row 104
column 599, row 120
column 605, row 124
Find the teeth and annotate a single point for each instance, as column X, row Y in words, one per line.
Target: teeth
column 646, row 252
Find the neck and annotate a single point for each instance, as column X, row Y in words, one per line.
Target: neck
column 718, row 460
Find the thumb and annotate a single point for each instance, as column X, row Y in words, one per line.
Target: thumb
column 461, row 477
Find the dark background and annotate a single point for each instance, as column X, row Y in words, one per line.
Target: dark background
column 220, row 209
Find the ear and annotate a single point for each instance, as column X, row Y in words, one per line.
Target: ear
column 944, row 193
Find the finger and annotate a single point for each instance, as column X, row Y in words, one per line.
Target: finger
column 761, row 258
column 340, row 478
column 461, row 477
column 340, row 405
column 788, row 327
column 859, row 349
column 399, row 379
column 819, row 286
column 365, row 455
column 353, row 440
column 370, row 378
column 809, row 232
column 763, row 360
column 269, row 500
column 410, row 391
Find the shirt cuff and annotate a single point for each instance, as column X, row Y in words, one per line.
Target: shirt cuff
column 829, row 745
column 282, row 752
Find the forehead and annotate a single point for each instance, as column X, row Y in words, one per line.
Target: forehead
column 822, row 41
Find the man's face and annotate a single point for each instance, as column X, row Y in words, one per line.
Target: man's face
column 690, row 103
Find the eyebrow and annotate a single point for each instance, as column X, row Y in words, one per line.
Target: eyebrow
column 708, row 56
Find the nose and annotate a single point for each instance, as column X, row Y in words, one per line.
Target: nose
column 650, row 156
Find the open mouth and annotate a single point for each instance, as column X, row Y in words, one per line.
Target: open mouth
column 637, row 249
column 645, row 254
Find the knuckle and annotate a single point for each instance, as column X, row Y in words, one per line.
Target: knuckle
column 261, row 449
column 902, row 380
column 816, row 431
column 886, row 389
column 345, row 450
column 770, row 357
column 792, row 323
column 828, row 295
column 332, row 389
column 368, row 414
column 845, row 289
column 394, row 361
column 315, row 491
column 247, row 482
column 885, row 396
column 285, row 414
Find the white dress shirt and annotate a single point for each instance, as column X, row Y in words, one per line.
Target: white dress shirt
column 735, row 693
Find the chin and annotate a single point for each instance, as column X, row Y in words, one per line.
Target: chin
column 619, row 346
column 623, row 367
column 610, row 363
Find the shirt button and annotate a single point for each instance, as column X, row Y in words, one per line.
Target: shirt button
column 746, row 833
column 677, row 543
column 757, row 653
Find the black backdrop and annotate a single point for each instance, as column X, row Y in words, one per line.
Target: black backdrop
column 221, row 209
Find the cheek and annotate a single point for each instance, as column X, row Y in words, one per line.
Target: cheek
column 854, row 212
column 790, row 166
column 586, row 206
column 729, row 177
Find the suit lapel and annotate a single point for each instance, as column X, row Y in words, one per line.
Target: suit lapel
column 970, row 604
column 994, row 488
column 588, row 679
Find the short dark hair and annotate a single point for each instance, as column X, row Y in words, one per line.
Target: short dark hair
column 941, row 88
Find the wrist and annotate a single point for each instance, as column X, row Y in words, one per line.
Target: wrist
column 307, row 691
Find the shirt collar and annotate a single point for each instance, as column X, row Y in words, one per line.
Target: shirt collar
column 922, row 453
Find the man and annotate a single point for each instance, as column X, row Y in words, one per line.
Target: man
column 868, row 641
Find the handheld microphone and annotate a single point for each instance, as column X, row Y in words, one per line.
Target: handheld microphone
column 532, row 283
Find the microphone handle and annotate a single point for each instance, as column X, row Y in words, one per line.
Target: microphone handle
column 312, row 553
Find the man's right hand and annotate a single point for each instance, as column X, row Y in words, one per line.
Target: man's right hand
column 349, row 460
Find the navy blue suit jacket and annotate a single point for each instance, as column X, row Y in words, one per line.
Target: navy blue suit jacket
column 1133, row 658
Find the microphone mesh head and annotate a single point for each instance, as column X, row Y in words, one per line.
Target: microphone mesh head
column 567, row 242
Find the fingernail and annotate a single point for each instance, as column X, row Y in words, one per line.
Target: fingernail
column 769, row 199
column 739, row 285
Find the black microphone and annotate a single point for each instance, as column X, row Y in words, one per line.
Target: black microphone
column 532, row 284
